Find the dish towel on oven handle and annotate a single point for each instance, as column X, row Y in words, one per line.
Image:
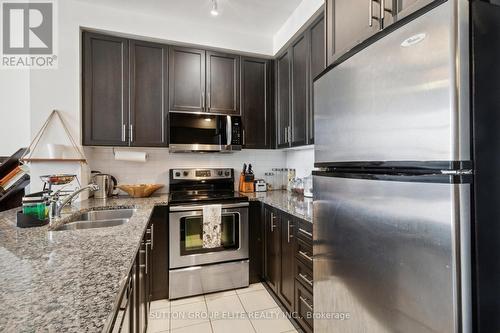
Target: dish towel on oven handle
column 212, row 219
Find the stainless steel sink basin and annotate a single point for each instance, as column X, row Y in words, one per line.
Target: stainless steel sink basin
column 109, row 214
column 92, row 224
column 99, row 219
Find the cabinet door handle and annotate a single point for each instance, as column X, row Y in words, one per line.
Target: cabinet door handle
column 208, row 101
column 370, row 13
column 131, row 133
column 244, row 137
column 289, row 133
column 150, row 231
column 305, row 232
column 124, row 128
column 289, row 235
column 273, row 226
column 148, row 244
column 303, row 277
column 303, row 300
column 305, row 255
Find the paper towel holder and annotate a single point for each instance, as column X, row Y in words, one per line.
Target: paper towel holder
column 114, row 154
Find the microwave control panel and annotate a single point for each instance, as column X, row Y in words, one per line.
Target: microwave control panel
column 236, row 136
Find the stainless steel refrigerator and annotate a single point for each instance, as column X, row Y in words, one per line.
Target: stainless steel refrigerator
column 407, row 194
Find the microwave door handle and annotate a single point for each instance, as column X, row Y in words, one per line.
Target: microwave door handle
column 229, row 130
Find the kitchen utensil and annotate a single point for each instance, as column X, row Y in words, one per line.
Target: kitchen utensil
column 140, row 190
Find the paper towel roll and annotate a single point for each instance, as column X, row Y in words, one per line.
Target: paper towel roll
column 132, row 156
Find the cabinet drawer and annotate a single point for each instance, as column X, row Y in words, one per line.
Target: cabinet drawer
column 304, row 307
column 304, row 231
column 304, row 253
column 304, row 275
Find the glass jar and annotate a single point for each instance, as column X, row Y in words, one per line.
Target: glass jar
column 284, row 179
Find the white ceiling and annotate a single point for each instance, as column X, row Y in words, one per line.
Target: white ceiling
column 255, row 17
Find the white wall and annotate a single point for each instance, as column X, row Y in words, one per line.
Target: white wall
column 14, row 110
column 304, row 11
column 155, row 170
column 302, row 160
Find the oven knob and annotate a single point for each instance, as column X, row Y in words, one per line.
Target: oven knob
column 227, row 173
column 185, row 173
column 219, row 173
column 177, row 174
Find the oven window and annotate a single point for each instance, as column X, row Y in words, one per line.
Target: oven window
column 192, row 234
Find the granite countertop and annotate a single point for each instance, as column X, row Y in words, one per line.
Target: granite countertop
column 67, row 281
column 294, row 204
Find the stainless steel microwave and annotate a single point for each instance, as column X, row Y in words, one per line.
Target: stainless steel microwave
column 191, row 132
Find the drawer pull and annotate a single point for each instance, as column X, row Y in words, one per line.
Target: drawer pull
column 304, row 254
column 304, row 277
column 305, row 232
column 303, row 300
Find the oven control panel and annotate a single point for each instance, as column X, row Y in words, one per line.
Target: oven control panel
column 200, row 174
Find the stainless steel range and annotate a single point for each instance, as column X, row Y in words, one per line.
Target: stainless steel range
column 195, row 269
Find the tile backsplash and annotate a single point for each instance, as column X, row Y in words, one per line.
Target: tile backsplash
column 160, row 161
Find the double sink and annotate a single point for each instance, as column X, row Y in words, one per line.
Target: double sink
column 99, row 219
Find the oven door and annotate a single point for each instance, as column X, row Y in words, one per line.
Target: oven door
column 186, row 235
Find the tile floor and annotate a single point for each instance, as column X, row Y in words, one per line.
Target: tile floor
column 248, row 310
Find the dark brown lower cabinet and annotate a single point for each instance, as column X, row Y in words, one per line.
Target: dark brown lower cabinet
column 159, row 253
column 256, row 240
column 147, row 279
column 287, row 274
column 304, row 307
column 287, row 281
column 272, row 248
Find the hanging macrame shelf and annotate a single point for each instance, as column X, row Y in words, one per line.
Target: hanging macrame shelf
column 28, row 155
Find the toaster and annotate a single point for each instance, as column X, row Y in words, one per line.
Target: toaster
column 260, row 185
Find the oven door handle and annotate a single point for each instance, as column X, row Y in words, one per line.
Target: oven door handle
column 200, row 207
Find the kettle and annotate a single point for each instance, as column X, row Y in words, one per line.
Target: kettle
column 106, row 183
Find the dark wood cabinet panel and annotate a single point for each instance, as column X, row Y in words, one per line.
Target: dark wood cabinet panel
column 283, row 103
column 223, row 83
column 254, row 103
column 318, row 62
column 300, row 87
column 272, row 249
column 148, row 93
column 105, row 90
column 256, row 240
column 159, row 253
column 186, row 73
column 304, row 307
column 287, row 281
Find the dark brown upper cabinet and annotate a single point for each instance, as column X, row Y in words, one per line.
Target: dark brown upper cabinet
column 300, row 95
column 148, row 94
column 349, row 22
column 318, row 63
column 283, row 129
column 255, row 104
column 223, row 83
column 105, row 90
column 187, row 79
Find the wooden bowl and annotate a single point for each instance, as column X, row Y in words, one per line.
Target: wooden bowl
column 140, row 190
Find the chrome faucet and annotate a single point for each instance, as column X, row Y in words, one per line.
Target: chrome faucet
column 57, row 205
